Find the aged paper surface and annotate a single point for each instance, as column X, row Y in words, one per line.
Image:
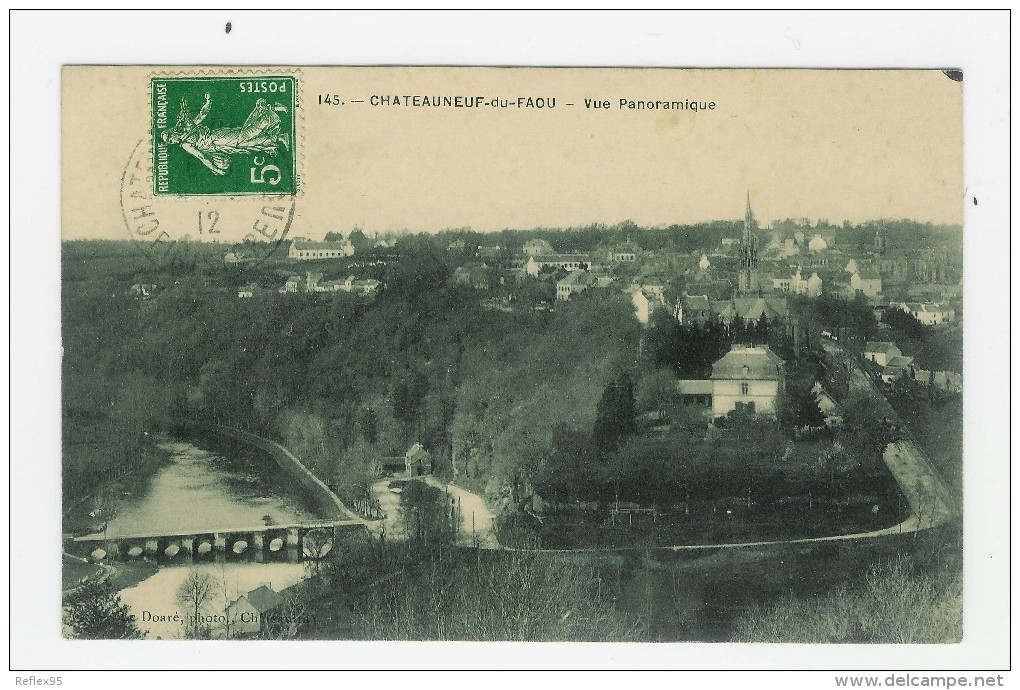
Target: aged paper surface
column 512, row 353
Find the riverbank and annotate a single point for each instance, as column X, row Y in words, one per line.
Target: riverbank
column 86, row 512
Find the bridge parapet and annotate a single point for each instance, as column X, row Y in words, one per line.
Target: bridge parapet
column 260, row 542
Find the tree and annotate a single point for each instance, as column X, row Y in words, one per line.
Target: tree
column 614, row 418
column 370, row 425
column 195, row 592
column 800, row 409
column 868, row 427
column 317, row 544
column 656, row 392
column 408, row 396
column 95, row 612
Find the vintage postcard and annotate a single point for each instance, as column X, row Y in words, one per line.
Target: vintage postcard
column 512, row 354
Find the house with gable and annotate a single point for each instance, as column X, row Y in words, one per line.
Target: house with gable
column 747, row 379
column 417, row 461
column 880, row 352
column 249, row 613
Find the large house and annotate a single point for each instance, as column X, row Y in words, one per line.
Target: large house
column 306, row 250
column 569, row 262
column 747, row 379
column 881, row 352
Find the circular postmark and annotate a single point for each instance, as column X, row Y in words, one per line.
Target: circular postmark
column 188, row 231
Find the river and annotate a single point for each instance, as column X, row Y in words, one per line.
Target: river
column 202, row 490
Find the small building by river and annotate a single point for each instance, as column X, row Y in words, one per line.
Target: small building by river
column 249, row 614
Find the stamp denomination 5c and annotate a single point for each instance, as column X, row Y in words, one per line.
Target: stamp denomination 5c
column 224, row 135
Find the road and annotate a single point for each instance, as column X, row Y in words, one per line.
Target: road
column 931, row 502
column 476, row 518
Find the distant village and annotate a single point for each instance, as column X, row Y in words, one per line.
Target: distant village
column 748, row 278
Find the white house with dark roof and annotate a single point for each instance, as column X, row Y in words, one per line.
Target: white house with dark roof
column 880, row 352
column 747, row 379
column 568, row 262
column 306, row 250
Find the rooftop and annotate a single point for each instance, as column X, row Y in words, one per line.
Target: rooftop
column 263, row 599
column 879, row 346
column 749, row 362
column 308, row 244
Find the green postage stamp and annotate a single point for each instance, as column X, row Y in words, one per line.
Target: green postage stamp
column 224, row 135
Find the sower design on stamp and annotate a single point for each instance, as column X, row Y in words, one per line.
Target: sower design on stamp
column 240, row 141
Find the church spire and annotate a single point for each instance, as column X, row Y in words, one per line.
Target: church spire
column 748, row 282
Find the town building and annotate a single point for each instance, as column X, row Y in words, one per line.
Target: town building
column 575, row 283
column 880, row 352
column 867, row 282
column 695, row 309
column 646, row 303
column 798, row 285
column 247, row 291
column 305, row 250
column 625, row 254
column 568, row 262
column 747, row 379
column 751, row 309
column 927, row 313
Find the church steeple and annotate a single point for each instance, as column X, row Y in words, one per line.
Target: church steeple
column 748, row 282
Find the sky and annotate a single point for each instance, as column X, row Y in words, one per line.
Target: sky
column 818, row 144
